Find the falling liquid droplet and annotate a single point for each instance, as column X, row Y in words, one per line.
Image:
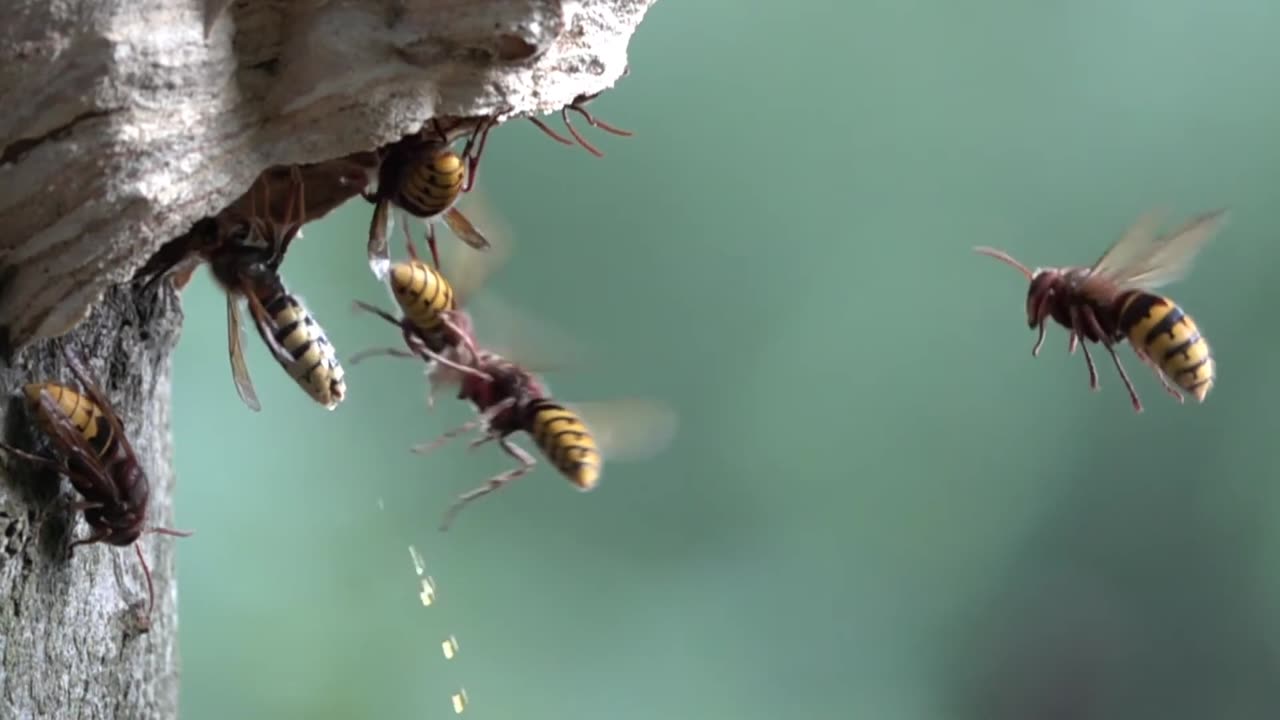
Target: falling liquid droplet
column 450, row 647
column 381, row 504
column 460, row 701
column 428, row 594
column 419, row 565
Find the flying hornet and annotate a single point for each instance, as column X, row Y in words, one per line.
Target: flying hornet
column 1112, row 301
column 507, row 393
column 434, row 322
column 574, row 438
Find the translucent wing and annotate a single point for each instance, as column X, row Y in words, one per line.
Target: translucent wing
column 328, row 185
column 629, row 428
column 99, row 397
column 235, row 345
column 265, row 325
column 379, row 252
column 525, row 338
column 504, row 328
column 1142, row 260
column 1136, row 241
column 1171, row 259
column 276, row 219
column 97, row 481
column 467, row 268
column 466, row 231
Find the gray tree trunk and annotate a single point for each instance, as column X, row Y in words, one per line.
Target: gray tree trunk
column 69, row 640
column 126, row 121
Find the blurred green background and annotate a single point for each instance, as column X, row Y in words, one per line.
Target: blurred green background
column 878, row 504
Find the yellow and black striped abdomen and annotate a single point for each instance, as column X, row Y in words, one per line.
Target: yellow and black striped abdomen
column 562, row 436
column 312, row 361
column 83, row 413
column 422, row 293
column 432, row 184
column 1167, row 335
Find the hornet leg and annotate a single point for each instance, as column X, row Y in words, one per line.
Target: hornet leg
column 597, row 123
column 146, row 571
column 473, row 150
column 497, row 481
column 1039, row 341
column 1159, row 373
column 564, row 115
column 1042, row 313
column 1128, row 384
column 431, row 243
column 79, row 506
column 371, row 352
column 464, row 337
column 408, row 240
column 151, row 590
column 1078, row 330
column 1095, row 326
column 437, row 357
column 486, row 439
column 98, row 535
column 171, row 532
column 366, row 307
column 429, row 355
column 37, row 460
column 551, row 133
column 485, row 418
column 464, row 428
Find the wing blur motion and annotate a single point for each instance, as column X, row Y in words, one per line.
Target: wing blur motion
column 1136, row 241
column 465, row 229
column 467, row 270
column 1141, row 259
column 629, row 428
column 535, row 343
column 1171, row 259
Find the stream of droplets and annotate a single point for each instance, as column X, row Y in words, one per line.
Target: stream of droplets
column 427, row 594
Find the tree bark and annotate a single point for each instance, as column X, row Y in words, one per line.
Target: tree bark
column 70, row 645
column 126, row 122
